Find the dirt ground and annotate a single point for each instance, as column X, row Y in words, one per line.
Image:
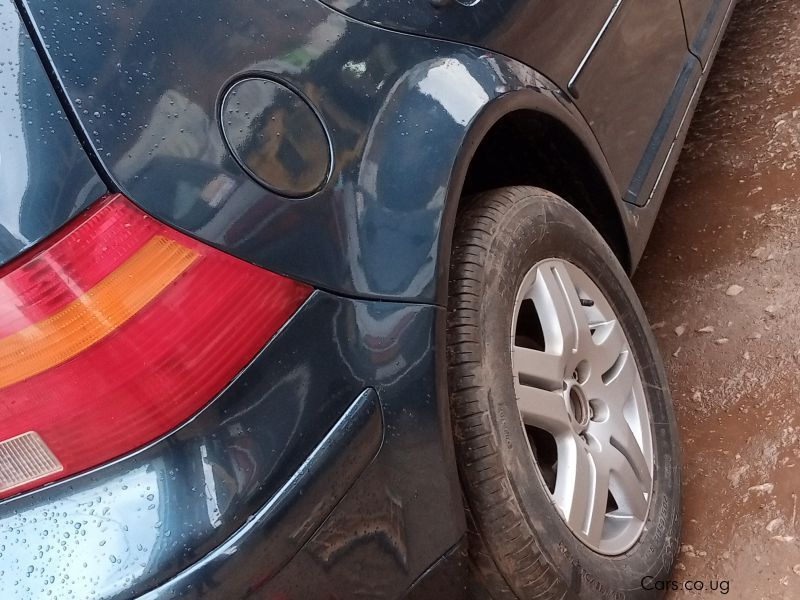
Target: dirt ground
column 721, row 285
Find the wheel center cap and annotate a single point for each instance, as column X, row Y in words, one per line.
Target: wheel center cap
column 577, row 405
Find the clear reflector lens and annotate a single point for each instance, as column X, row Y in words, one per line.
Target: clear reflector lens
column 118, row 331
column 25, row 458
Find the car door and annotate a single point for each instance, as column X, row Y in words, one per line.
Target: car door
column 624, row 62
column 704, row 19
column 633, row 87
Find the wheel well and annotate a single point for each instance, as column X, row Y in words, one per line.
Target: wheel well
column 526, row 147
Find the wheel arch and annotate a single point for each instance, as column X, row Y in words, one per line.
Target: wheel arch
column 527, row 137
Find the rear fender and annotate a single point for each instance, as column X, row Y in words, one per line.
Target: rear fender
column 404, row 115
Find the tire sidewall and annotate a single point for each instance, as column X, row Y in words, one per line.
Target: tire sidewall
column 529, row 233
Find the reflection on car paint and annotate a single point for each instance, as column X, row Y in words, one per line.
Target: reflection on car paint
column 45, row 177
column 209, row 476
column 370, row 232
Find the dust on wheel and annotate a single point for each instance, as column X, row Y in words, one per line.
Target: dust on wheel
column 564, row 428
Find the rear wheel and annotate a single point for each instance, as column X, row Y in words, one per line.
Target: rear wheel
column 565, row 433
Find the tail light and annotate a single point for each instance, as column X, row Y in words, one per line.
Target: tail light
column 116, row 332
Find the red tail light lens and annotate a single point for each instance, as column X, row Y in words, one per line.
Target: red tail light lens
column 115, row 333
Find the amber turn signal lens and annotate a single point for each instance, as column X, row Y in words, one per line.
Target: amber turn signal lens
column 117, row 331
column 95, row 314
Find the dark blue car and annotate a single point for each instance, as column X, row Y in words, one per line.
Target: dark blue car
column 329, row 299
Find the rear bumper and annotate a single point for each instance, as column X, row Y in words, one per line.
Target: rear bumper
column 252, row 557
column 342, row 410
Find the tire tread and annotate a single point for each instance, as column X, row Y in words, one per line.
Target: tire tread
column 525, row 572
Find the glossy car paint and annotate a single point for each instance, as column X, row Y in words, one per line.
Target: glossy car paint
column 621, row 64
column 45, row 176
column 253, row 476
column 241, row 498
column 254, row 113
column 399, row 110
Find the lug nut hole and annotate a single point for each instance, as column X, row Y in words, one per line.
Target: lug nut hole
column 582, row 371
column 598, row 411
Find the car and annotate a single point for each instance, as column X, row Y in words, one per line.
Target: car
column 331, row 299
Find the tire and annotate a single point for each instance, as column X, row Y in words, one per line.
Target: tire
column 523, row 545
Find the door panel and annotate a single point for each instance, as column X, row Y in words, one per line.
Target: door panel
column 628, row 54
column 624, row 90
column 704, row 18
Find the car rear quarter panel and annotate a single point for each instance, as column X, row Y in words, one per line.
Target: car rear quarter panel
column 45, row 175
column 619, row 59
column 399, row 110
column 220, row 505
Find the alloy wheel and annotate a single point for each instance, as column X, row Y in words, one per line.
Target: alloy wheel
column 582, row 402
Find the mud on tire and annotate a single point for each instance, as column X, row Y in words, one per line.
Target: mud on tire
column 521, row 547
